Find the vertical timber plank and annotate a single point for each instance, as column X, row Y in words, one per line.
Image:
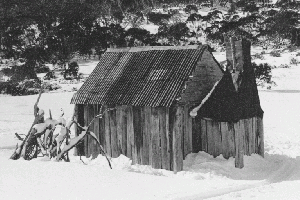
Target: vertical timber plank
column 169, row 140
column 225, row 140
column 177, row 141
column 172, row 119
column 86, row 121
column 80, row 147
column 252, row 135
column 255, row 134
column 184, row 132
column 147, row 153
column 121, row 129
column 107, row 132
column 96, row 151
column 92, row 142
column 187, row 132
column 102, row 129
column 239, row 143
column 246, row 138
column 76, row 153
column 130, row 133
column 210, row 137
column 124, row 131
column 190, row 133
column 204, row 139
column 113, row 133
column 217, row 138
column 138, row 143
column 260, row 128
column 142, row 135
column 242, row 135
column 163, row 130
column 196, row 135
column 156, row 152
column 231, row 139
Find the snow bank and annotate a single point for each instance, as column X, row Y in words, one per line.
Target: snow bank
column 277, row 175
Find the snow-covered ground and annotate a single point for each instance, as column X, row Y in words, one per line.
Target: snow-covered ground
column 277, row 176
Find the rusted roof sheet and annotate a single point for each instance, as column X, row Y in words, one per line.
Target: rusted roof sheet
column 139, row 76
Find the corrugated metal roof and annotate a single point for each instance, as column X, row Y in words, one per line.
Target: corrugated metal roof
column 139, row 76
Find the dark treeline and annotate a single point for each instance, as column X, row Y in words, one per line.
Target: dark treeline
column 54, row 31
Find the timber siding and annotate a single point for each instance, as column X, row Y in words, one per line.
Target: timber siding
column 156, row 136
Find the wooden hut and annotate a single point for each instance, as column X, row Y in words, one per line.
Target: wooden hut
column 151, row 92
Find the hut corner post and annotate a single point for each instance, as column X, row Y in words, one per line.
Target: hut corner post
column 260, row 130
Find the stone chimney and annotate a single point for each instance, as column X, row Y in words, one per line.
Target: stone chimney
column 238, row 56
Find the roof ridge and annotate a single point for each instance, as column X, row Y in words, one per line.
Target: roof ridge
column 149, row 48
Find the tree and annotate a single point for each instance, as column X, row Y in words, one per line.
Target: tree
column 138, row 37
column 280, row 25
column 158, row 18
column 191, row 9
column 177, row 32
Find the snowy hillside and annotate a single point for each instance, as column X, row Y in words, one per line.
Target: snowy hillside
column 277, row 176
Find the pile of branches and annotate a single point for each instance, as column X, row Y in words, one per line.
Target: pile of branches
column 33, row 144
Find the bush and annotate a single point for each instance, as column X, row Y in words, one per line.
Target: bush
column 275, row 53
column 42, row 69
column 263, row 74
column 190, row 8
column 157, row 18
column 298, row 54
column 294, row 61
column 49, row 75
column 72, row 71
column 258, row 56
column 5, row 87
column 51, row 86
column 26, row 87
column 284, row 66
column 292, row 48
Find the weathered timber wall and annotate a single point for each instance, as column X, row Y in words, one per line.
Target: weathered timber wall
column 229, row 139
column 202, row 79
column 156, row 136
column 163, row 137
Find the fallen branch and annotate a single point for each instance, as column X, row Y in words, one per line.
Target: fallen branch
column 17, row 153
column 85, row 130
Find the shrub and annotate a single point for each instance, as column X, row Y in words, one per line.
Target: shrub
column 263, row 74
column 275, row 53
column 51, row 86
column 284, row 66
column 4, row 87
column 157, row 18
column 258, row 56
column 294, row 61
column 298, row 54
column 72, row 71
column 190, row 8
column 42, row 69
column 80, row 76
column 49, row 75
column 27, row 87
column 292, row 48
